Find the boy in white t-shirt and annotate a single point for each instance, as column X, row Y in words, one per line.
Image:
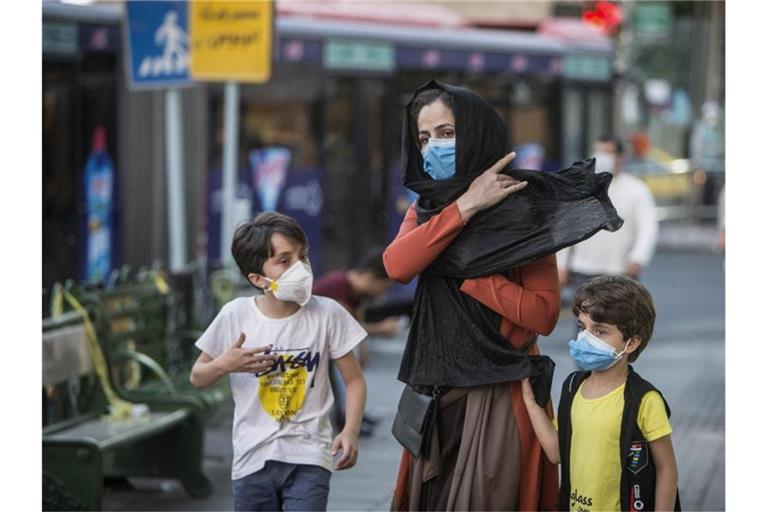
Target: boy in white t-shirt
column 276, row 348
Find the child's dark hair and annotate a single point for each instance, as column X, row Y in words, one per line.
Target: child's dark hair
column 424, row 98
column 373, row 262
column 620, row 301
column 251, row 244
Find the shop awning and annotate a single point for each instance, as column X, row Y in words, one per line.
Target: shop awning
column 376, row 47
column 419, row 14
column 576, row 34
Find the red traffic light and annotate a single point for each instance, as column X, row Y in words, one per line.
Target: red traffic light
column 606, row 16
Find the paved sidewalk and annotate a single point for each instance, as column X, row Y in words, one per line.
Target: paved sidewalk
column 695, row 393
column 687, row 236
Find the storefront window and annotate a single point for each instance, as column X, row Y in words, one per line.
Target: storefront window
column 355, row 148
column 279, row 167
column 534, row 107
column 79, row 95
column 599, row 121
column 573, row 128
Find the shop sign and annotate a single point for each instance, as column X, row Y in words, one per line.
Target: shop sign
column 652, row 21
column 269, row 167
column 587, row 67
column 99, row 38
column 231, row 40
column 491, row 62
column 158, row 44
column 60, row 38
column 278, row 185
column 359, row 55
column 529, row 156
column 301, row 50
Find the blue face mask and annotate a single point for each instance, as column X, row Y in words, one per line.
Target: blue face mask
column 591, row 353
column 440, row 158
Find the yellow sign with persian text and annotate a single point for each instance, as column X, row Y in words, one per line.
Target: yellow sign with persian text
column 231, row 40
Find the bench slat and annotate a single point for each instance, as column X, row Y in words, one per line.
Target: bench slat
column 106, row 434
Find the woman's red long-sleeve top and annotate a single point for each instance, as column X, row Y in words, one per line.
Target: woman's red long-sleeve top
column 528, row 302
column 525, row 308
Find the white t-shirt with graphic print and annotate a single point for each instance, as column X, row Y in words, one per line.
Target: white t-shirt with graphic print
column 283, row 414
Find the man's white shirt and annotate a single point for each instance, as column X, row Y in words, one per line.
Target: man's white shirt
column 610, row 253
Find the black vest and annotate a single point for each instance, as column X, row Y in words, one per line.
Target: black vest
column 638, row 472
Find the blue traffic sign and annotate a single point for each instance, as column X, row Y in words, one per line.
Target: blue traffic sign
column 157, row 33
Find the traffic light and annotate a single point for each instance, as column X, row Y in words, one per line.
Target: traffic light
column 606, row 16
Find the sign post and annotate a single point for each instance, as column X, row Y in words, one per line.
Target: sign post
column 229, row 169
column 171, row 43
column 231, row 41
column 158, row 57
column 177, row 225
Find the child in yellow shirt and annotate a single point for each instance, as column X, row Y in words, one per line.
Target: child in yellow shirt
column 612, row 435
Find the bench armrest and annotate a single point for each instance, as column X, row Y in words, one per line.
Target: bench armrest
column 149, row 363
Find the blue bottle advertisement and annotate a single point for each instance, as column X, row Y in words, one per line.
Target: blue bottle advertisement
column 100, row 198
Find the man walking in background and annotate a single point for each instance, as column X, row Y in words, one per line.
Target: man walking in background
column 626, row 251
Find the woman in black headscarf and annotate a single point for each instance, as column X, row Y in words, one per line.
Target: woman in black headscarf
column 482, row 240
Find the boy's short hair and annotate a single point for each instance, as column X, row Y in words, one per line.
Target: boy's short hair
column 373, row 262
column 251, row 244
column 621, row 301
column 610, row 139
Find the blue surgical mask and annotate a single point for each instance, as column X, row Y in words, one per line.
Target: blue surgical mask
column 591, row 353
column 440, row 158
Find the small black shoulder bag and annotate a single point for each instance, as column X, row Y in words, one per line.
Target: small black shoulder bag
column 415, row 419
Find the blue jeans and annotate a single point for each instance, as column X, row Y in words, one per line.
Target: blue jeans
column 283, row 486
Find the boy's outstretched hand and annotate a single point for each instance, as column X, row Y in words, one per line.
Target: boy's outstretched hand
column 247, row 360
column 347, row 443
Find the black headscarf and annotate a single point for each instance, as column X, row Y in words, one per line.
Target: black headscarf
column 454, row 339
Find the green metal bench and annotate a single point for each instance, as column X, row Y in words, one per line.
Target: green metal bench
column 150, row 360
column 82, row 446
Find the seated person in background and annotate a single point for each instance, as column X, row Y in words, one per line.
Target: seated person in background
column 353, row 289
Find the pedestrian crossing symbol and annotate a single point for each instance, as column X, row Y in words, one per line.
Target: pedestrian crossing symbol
column 175, row 56
column 158, row 36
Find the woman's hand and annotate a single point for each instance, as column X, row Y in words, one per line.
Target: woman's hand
column 488, row 189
